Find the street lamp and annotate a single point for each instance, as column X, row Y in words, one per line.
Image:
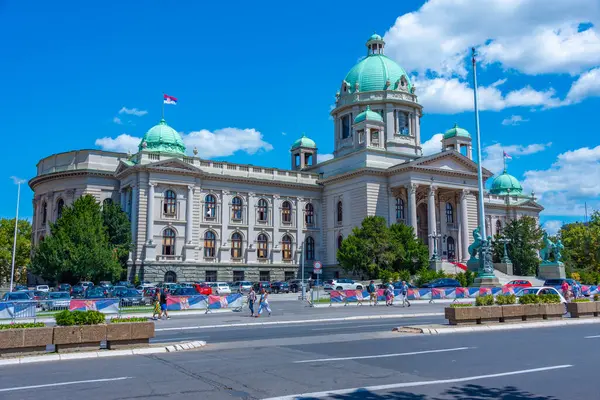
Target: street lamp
column 505, row 258
column 18, row 182
column 435, row 236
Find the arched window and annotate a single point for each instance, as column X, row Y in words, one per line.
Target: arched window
column 262, row 211
column 44, row 212
column 170, row 203
column 60, row 204
column 309, row 214
column 236, row 245
column 340, row 239
column 498, row 227
column 286, row 247
column 399, row 209
column 449, row 213
column 340, row 212
column 170, row 277
column 210, row 206
column 168, row 242
column 263, row 246
column 210, row 242
column 236, row 208
column 286, row 212
column 309, row 251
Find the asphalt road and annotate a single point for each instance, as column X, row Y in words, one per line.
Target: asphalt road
column 529, row 364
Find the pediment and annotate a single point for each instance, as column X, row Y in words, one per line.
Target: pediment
column 173, row 165
column 449, row 161
column 123, row 166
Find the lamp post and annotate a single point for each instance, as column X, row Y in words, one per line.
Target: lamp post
column 435, row 236
column 505, row 258
column 12, row 268
column 302, row 267
column 485, row 275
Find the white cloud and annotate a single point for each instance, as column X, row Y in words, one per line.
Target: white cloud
column 514, row 120
column 433, row 145
column 122, row 143
column 117, row 121
column 587, row 85
column 552, row 226
column 535, row 36
column 283, row 134
column 324, row 157
column 493, row 155
column 570, row 182
column 133, row 111
column 220, row 143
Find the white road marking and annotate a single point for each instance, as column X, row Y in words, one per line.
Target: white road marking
column 414, row 384
column 181, row 339
column 412, row 353
column 592, row 337
column 14, row 389
column 353, row 326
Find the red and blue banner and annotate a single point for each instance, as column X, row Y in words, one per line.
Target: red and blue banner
column 218, row 302
column 17, row 309
column 105, row 306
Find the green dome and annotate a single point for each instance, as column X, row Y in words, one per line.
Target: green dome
column 162, row 138
column 456, row 131
column 304, row 142
column 368, row 115
column 375, row 37
column 506, row 184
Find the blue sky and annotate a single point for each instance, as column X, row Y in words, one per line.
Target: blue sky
column 92, row 76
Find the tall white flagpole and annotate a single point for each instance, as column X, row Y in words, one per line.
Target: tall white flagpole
column 12, row 269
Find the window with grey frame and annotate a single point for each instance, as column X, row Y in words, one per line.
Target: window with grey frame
column 262, row 211
column 210, row 242
column 286, row 212
column 309, row 215
column 399, row 209
column 170, row 203
column 236, row 208
column 262, row 251
column 346, row 126
column 236, row 245
column 340, row 212
column 286, row 247
column 168, row 242
column 403, row 122
column 309, row 249
column 60, row 204
column 210, row 206
column 449, row 213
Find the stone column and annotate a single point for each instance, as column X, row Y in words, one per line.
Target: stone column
column 123, row 199
column 189, row 223
column 443, row 226
column 250, row 245
column 412, row 207
column 133, row 212
column 150, row 217
column 299, row 226
column 431, row 219
column 391, row 207
column 464, row 224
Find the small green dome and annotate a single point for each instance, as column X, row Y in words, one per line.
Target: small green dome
column 375, row 37
column 376, row 72
column 368, row 115
column 506, row 184
column 162, row 138
column 456, row 131
column 304, row 141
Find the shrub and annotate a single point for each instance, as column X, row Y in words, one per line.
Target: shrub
column 130, row 319
column 504, row 300
column 64, row 318
column 529, row 299
column 549, row 298
column 425, row 275
column 459, row 305
column 22, row 325
column 487, row 300
column 68, row 318
column 596, row 297
column 466, row 278
column 581, row 301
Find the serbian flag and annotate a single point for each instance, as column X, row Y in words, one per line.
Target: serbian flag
column 169, row 99
column 507, row 156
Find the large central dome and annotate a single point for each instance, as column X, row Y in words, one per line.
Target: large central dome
column 376, row 71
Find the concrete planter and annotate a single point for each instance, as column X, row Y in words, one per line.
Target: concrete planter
column 462, row 315
column 25, row 340
column 489, row 314
column 582, row 310
column 514, row 312
column 79, row 337
column 552, row 311
column 532, row 312
column 128, row 334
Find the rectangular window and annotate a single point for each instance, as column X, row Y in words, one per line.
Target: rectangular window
column 403, row 123
column 265, row 276
column 238, row 276
column 345, row 126
column 211, row 276
column 361, row 136
column 289, row 275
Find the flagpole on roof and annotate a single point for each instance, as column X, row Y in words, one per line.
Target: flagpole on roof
column 163, row 107
column 504, row 158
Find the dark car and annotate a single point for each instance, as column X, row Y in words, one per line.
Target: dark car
column 95, row 293
column 17, row 296
column 63, row 287
column 558, row 282
column 130, row 297
column 185, row 291
column 124, row 283
column 398, row 285
column 259, row 286
column 442, row 283
column 296, row 285
column 280, row 287
column 56, row 301
column 77, row 292
column 18, row 288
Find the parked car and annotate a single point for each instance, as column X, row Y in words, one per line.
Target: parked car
column 280, row 287
column 105, row 284
column 220, row 288
column 559, row 282
column 185, row 291
column 259, row 286
column 124, row 283
column 342, row 284
column 63, row 287
column 77, row 292
column 35, row 294
column 19, row 288
column 398, row 285
column 86, row 285
column 241, row 286
column 171, row 285
column 56, row 301
column 442, row 283
column 296, row 285
column 17, row 296
column 518, row 283
column 541, row 290
column 42, row 288
column 203, row 288
column 95, row 293
column 130, row 297
column 145, row 285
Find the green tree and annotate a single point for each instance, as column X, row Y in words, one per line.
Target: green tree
column 78, row 247
column 7, row 232
column 118, row 229
column 525, row 239
column 582, row 245
column 377, row 251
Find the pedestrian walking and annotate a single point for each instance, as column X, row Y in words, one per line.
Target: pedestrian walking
column 263, row 303
column 576, row 288
column 163, row 303
column 390, row 287
column 404, row 290
column 156, row 301
column 565, row 289
column 251, row 300
column 372, row 293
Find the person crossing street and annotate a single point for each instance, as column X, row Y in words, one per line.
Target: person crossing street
column 372, row 290
column 263, row 303
column 251, row 301
column 404, row 290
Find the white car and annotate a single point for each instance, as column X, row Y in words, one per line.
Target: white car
column 42, row 288
column 541, row 290
column 220, row 288
column 342, row 284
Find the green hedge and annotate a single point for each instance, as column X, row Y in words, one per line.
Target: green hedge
column 130, row 319
column 22, row 325
column 529, row 299
column 68, row 318
column 581, row 301
column 459, row 305
column 596, row 297
column 549, row 298
column 504, row 300
column 487, row 300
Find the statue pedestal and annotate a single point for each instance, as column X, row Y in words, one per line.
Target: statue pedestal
column 473, row 265
column 506, row 268
column 552, row 270
column 486, row 282
column 436, row 265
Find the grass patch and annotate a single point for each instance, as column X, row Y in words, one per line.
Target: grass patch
column 22, row 325
column 461, row 305
column 118, row 320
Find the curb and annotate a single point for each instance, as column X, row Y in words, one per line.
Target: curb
column 103, row 353
column 304, row 321
column 491, row 328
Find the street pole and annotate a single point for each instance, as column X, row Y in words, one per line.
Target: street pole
column 12, row 269
column 302, row 268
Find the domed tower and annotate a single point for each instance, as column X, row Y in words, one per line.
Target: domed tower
column 304, row 153
column 162, row 138
column 506, row 184
column 458, row 139
column 381, row 84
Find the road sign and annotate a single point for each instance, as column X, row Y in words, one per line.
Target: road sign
column 317, row 267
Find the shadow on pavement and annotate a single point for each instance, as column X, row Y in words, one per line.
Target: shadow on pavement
column 466, row 392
